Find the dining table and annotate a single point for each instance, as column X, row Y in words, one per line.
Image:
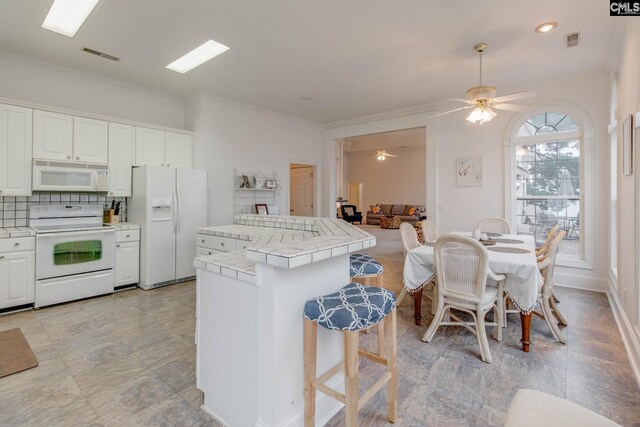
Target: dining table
column 511, row 255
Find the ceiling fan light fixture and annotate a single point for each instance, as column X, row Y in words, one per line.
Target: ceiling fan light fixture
column 381, row 157
column 546, row 27
column 481, row 115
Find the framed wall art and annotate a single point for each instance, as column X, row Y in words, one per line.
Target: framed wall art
column 469, row 171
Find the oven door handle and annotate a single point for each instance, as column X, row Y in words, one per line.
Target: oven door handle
column 72, row 233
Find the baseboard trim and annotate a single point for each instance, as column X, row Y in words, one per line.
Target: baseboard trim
column 630, row 335
column 581, row 282
column 214, row 416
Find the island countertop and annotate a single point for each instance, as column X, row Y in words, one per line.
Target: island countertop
column 281, row 241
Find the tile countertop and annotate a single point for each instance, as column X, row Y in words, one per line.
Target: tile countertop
column 119, row 226
column 281, row 241
column 16, row 232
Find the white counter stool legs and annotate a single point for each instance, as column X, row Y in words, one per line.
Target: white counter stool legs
column 350, row 310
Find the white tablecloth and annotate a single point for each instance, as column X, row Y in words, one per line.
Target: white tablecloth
column 523, row 277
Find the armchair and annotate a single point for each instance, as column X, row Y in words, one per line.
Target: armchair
column 350, row 214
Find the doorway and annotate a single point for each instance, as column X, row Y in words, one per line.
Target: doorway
column 302, row 186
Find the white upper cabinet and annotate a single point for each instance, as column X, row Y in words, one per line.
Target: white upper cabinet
column 90, row 139
column 15, row 150
column 52, row 136
column 149, row 147
column 178, row 150
column 121, row 154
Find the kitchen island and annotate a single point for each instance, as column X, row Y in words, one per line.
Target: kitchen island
column 250, row 315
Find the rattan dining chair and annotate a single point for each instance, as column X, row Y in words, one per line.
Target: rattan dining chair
column 429, row 233
column 494, row 225
column 541, row 251
column 462, row 267
column 409, row 238
column 550, row 312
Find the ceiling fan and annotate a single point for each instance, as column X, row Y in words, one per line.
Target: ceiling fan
column 482, row 99
column 382, row 155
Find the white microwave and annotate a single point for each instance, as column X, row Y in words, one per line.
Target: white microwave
column 69, row 176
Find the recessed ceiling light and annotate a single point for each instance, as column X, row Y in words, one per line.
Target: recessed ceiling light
column 198, row 56
column 546, row 27
column 66, row 16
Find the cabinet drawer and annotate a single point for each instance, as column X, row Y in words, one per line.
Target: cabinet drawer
column 18, row 244
column 217, row 243
column 127, row 236
column 200, row 251
column 242, row 244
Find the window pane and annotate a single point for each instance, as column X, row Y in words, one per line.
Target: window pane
column 537, row 217
column 546, row 123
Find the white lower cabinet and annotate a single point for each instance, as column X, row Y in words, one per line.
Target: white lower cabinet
column 127, row 258
column 17, row 276
column 211, row 245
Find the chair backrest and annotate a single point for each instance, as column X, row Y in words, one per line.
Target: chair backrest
column 462, row 265
column 429, row 233
column 409, row 237
column 550, row 235
column 548, row 264
column 348, row 210
column 494, row 225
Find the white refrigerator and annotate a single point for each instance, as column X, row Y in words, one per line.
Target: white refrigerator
column 169, row 204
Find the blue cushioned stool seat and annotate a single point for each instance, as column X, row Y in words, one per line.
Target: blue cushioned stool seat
column 363, row 265
column 353, row 307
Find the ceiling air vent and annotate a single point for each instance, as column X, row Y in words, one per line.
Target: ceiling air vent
column 100, row 54
column 571, row 40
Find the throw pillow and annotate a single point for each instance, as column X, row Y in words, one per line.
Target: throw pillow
column 375, row 209
column 386, row 209
column 397, row 210
column 411, row 211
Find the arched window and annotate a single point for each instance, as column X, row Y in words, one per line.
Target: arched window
column 549, row 179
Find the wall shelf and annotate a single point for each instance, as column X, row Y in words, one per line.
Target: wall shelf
column 245, row 199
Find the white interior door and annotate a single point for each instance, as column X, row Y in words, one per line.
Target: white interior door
column 355, row 195
column 302, row 192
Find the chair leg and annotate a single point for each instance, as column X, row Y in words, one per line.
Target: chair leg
column 551, row 320
column 482, row 337
column 403, row 293
column 433, row 327
column 554, row 306
column 351, row 377
column 381, row 343
column 380, row 280
column 417, row 307
column 310, row 348
column 499, row 313
column 392, row 386
column 434, row 297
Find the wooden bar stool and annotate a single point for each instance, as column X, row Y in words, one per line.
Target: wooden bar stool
column 350, row 310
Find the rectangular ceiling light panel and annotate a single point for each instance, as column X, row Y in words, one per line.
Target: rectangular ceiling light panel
column 66, row 16
column 198, row 56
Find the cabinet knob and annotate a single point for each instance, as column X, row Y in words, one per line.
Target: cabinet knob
column 222, row 244
column 209, row 252
column 128, row 235
column 161, row 164
column 68, row 157
column 117, row 246
column 1, row 258
column 0, row 191
column 77, row 158
column 202, row 240
column 111, row 193
column 16, row 244
column 168, row 165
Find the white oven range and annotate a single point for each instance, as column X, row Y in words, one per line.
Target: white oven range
column 75, row 253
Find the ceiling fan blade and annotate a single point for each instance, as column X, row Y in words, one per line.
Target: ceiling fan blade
column 514, row 96
column 466, row 101
column 512, row 107
column 450, row 111
column 390, row 155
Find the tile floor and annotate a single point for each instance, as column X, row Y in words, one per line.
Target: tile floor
column 128, row 359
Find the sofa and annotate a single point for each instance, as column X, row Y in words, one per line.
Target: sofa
column 400, row 210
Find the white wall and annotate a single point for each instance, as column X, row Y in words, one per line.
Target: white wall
column 625, row 72
column 395, row 180
column 27, row 80
column 232, row 135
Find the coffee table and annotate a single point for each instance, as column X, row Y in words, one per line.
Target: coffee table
column 390, row 222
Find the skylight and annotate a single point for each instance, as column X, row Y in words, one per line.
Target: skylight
column 198, row 56
column 66, row 16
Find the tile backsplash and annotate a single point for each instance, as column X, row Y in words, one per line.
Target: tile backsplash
column 14, row 211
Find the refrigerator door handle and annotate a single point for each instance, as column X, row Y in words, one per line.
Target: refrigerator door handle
column 174, row 209
column 178, row 209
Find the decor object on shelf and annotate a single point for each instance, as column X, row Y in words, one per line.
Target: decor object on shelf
column 469, row 171
column 627, row 146
column 245, row 181
column 271, row 183
column 350, row 214
column 377, row 211
column 482, row 99
column 258, row 182
column 262, row 209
